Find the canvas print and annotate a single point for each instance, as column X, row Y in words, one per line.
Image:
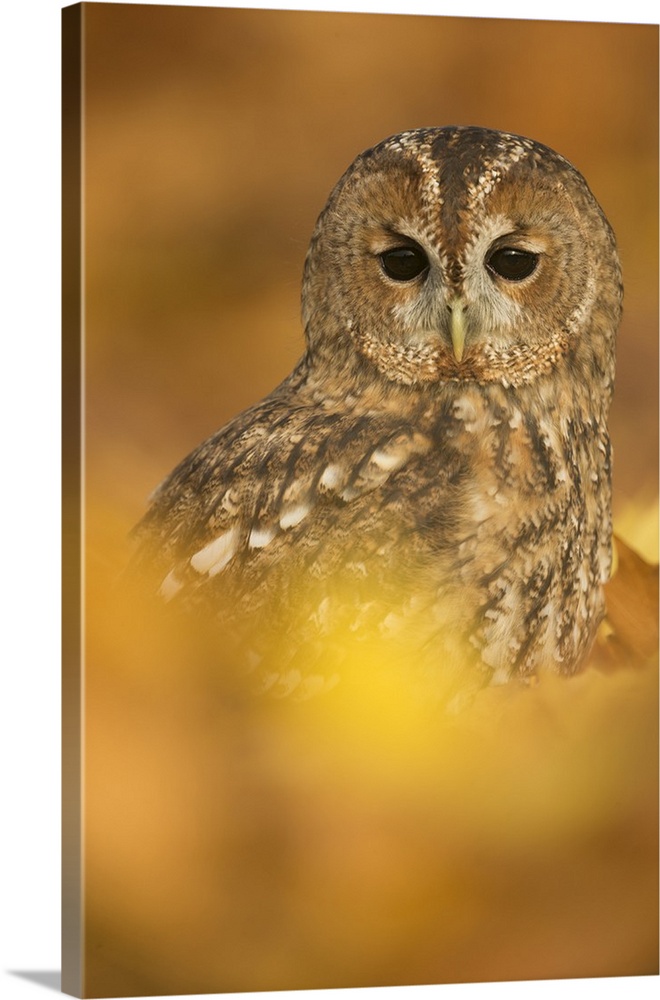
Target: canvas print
column 360, row 470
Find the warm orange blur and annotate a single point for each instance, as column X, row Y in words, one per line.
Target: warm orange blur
column 233, row 845
column 360, row 839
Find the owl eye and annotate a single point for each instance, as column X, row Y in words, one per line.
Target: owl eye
column 404, row 263
column 512, row 264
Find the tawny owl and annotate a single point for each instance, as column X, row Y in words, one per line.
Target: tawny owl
column 435, row 472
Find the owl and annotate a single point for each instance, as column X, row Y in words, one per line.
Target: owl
column 435, row 474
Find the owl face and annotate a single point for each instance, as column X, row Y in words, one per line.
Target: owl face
column 460, row 253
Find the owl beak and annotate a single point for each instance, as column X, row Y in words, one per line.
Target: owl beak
column 457, row 327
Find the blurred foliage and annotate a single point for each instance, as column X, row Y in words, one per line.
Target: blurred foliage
column 363, row 838
column 366, row 836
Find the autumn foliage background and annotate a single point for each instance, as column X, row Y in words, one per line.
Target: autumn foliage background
column 237, row 846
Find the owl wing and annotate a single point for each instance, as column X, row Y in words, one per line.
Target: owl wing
column 277, row 478
column 297, row 526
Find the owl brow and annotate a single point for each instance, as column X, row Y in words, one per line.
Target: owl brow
column 398, row 237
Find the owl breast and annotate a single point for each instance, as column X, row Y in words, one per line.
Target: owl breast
column 535, row 522
column 469, row 539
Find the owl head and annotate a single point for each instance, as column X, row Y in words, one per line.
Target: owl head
column 463, row 253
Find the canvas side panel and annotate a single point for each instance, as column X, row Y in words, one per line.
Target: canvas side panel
column 72, row 973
